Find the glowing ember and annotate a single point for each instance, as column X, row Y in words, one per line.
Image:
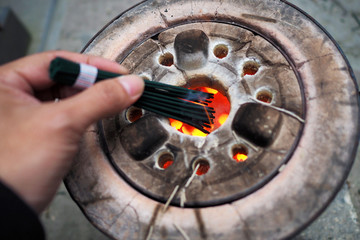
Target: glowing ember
column 211, row 90
column 223, row 118
column 197, row 132
column 165, row 160
column 204, row 167
column 176, row 124
column 167, row 164
column 222, row 108
column 240, row 157
column 240, row 154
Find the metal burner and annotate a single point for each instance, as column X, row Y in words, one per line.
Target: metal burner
column 269, row 169
column 264, row 129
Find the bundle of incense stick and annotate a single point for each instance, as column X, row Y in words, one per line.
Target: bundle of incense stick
column 186, row 105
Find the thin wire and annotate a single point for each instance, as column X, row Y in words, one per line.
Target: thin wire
column 171, row 198
column 192, row 176
column 183, row 233
column 150, row 233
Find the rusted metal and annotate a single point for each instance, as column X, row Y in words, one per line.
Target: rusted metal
column 300, row 141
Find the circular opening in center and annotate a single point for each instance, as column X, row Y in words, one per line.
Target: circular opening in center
column 220, row 103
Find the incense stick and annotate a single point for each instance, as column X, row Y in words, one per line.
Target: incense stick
column 186, row 105
column 150, row 233
column 188, row 182
column 170, row 198
column 183, row 233
column 192, row 176
column 182, row 197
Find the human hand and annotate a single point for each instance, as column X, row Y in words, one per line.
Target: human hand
column 39, row 138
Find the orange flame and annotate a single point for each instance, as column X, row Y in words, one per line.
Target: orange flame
column 223, row 118
column 167, row 164
column 176, row 124
column 222, row 108
column 240, row 157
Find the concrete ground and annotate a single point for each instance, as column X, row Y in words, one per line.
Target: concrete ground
column 69, row 25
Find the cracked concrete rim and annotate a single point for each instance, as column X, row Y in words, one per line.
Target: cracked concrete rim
column 294, row 197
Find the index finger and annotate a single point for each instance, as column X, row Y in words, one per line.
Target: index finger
column 32, row 72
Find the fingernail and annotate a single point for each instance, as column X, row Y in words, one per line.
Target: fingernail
column 133, row 85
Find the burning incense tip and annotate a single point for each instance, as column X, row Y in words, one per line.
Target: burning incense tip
column 216, row 111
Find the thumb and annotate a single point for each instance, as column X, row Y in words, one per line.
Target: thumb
column 102, row 100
